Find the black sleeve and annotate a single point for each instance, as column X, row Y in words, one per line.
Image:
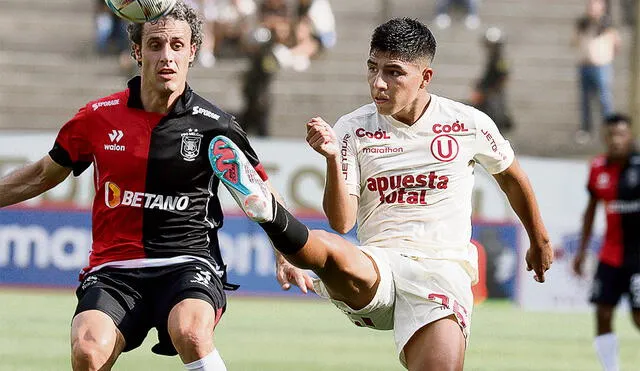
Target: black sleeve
column 72, row 148
column 60, row 156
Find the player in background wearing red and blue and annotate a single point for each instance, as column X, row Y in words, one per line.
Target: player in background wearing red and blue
column 614, row 179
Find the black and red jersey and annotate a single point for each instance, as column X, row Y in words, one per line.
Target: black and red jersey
column 156, row 194
column 618, row 186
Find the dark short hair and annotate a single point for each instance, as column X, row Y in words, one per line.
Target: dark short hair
column 180, row 12
column 617, row 118
column 404, row 38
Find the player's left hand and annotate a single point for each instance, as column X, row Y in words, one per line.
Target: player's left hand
column 287, row 274
column 539, row 259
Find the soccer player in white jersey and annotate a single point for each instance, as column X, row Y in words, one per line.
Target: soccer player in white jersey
column 402, row 167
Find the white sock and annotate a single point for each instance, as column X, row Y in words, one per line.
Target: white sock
column 210, row 362
column 607, row 349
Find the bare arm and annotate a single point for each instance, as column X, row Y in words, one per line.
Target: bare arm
column 617, row 42
column 515, row 184
column 339, row 206
column 31, row 180
column 587, row 225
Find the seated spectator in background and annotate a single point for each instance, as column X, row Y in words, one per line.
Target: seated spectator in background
column 443, row 19
column 489, row 95
column 597, row 42
column 315, row 31
column 272, row 36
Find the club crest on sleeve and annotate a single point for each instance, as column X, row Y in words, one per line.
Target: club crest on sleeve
column 190, row 147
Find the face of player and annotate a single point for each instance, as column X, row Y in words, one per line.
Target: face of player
column 165, row 53
column 618, row 139
column 398, row 88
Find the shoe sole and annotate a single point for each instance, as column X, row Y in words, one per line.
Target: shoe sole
column 225, row 164
column 225, row 161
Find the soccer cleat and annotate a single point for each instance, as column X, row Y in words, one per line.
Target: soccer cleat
column 243, row 182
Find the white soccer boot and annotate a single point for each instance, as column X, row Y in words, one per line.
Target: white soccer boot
column 231, row 166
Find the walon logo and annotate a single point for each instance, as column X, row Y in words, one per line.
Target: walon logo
column 114, row 137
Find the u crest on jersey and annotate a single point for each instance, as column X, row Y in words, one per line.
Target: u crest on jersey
column 190, row 147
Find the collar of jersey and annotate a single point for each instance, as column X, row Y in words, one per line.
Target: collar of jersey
column 183, row 104
column 421, row 121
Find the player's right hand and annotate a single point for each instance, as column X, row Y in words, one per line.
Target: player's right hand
column 322, row 138
column 578, row 262
column 287, row 275
column 539, row 259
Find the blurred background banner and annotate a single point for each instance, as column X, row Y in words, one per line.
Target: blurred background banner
column 47, row 248
column 43, row 241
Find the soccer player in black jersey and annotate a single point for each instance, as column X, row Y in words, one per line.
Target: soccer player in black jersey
column 614, row 180
column 155, row 259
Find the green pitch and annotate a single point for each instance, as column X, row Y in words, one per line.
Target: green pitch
column 311, row 335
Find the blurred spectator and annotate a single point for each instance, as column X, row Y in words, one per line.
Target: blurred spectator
column 111, row 37
column 315, row 31
column 489, row 95
column 234, row 21
column 270, row 38
column 110, row 30
column 208, row 9
column 627, row 10
column 597, row 42
column 443, row 19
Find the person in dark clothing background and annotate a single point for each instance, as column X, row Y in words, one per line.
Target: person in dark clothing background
column 270, row 36
column 489, row 94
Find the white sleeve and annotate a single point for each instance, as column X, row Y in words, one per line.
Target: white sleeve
column 348, row 156
column 492, row 151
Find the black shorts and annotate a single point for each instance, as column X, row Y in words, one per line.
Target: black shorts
column 610, row 283
column 141, row 298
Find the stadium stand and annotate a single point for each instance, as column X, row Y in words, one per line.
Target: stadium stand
column 48, row 68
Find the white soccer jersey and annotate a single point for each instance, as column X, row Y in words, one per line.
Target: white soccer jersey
column 414, row 183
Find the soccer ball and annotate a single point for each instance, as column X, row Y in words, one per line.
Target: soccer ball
column 140, row 11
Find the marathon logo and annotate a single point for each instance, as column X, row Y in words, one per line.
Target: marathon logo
column 114, row 197
column 108, row 103
column 197, row 110
column 382, row 150
column 400, row 183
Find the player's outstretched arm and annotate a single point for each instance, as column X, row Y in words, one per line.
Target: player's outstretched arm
column 287, row 273
column 587, row 225
column 31, row 180
column 515, row 184
column 339, row 206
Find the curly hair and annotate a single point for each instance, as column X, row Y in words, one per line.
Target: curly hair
column 180, row 12
column 404, row 38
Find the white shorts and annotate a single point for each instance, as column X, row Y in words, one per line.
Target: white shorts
column 413, row 292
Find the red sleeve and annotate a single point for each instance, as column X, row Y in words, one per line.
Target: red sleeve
column 72, row 148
